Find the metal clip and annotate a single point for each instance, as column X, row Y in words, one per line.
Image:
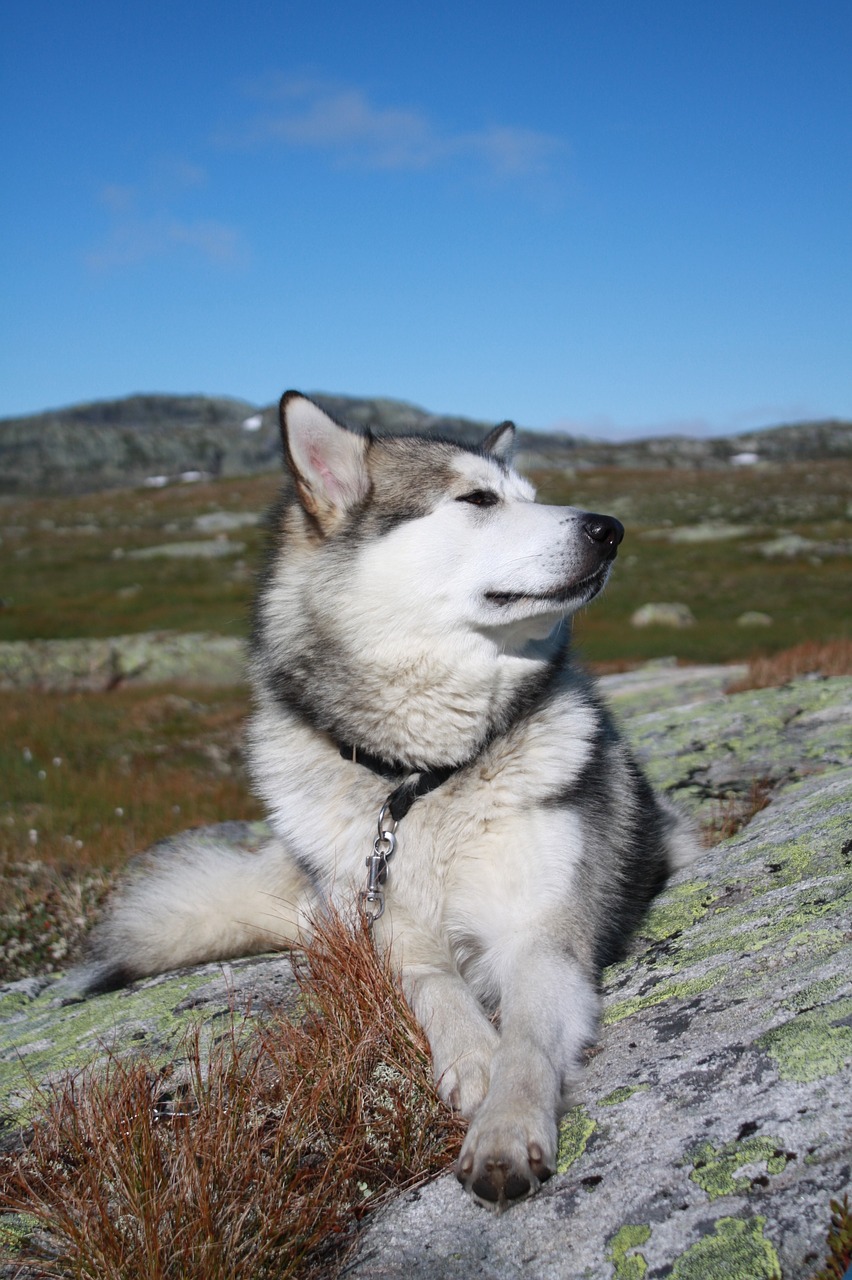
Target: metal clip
column 377, row 866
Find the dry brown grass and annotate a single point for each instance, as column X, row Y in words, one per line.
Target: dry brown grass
column 736, row 811
column 256, row 1162
column 838, row 1242
column 824, row 658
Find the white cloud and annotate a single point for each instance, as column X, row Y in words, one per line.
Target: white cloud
column 118, row 198
column 353, row 131
column 143, row 225
column 136, row 240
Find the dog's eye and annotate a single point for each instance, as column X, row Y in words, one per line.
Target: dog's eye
column 480, row 498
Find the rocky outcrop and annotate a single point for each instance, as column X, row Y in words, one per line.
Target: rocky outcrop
column 714, row 1122
column 151, row 657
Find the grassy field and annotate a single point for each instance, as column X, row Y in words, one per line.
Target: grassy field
column 88, row 779
column 68, row 566
column 806, row 595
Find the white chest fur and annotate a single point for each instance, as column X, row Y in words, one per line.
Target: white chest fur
column 479, row 860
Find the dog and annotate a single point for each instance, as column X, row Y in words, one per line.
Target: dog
column 425, row 745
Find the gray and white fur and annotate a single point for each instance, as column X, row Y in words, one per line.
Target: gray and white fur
column 414, row 614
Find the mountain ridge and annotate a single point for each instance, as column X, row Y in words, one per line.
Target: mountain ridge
column 106, row 444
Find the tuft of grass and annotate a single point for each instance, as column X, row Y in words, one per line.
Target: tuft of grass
column 254, row 1162
column 736, row 811
column 812, row 657
column 838, row 1242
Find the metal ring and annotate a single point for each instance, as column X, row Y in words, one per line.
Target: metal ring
column 384, row 844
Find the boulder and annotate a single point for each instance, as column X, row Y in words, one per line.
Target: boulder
column 663, row 615
column 713, row 1125
column 754, row 618
column 149, row 657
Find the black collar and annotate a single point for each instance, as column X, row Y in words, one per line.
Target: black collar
column 416, row 783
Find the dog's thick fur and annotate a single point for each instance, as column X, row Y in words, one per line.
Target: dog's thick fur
column 413, row 618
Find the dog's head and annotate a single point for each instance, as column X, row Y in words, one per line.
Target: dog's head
column 450, row 534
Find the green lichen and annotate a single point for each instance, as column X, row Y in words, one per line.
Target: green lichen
column 754, row 926
column 12, row 1002
column 627, row 1265
column 822, row 942
column 52, row 1040
column 574, row 1133
column 813, row 1045
column 662, row 992
column 816, row 993
column 715, row 1168
column 621, row 1094
column 749, row 730
column 736, row 1250
column 677, row 910
column 16, row 1230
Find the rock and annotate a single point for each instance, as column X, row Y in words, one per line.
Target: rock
column 663, row 615
column 662, row 683
column 787, row 544
column 709, row 531
column 713, row 1124
column 210, row 549
column 226, row 521
column 754, row 618
column 151, row 657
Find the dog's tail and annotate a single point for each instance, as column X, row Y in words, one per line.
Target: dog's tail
column 681, row 835
column 193, row 899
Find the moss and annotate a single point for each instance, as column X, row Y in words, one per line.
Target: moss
column 574, row 1133
column 662, row 992
column 736, row 1250
column 715, row 1168
column 626, row 1264
column 813, row 1045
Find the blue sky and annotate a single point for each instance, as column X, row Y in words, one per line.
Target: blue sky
column 613, row 217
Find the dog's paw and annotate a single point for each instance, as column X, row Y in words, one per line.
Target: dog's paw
column 464, row 1082
column 504, row 1159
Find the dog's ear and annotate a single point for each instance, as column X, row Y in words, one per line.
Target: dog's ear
column 326, row 459
column 500, row 442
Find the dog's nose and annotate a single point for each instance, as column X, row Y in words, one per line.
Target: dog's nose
column 604, row 529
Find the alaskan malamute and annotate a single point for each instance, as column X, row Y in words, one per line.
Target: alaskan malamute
column 423, row 742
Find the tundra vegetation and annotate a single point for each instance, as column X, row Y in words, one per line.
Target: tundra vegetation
column 305, row 1124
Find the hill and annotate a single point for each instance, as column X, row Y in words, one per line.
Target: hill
column 153, row 438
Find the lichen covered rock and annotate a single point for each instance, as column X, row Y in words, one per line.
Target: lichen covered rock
column 714, row 1123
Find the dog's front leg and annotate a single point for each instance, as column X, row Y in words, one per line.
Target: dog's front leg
column 549, row 1012
column 461, row 1038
